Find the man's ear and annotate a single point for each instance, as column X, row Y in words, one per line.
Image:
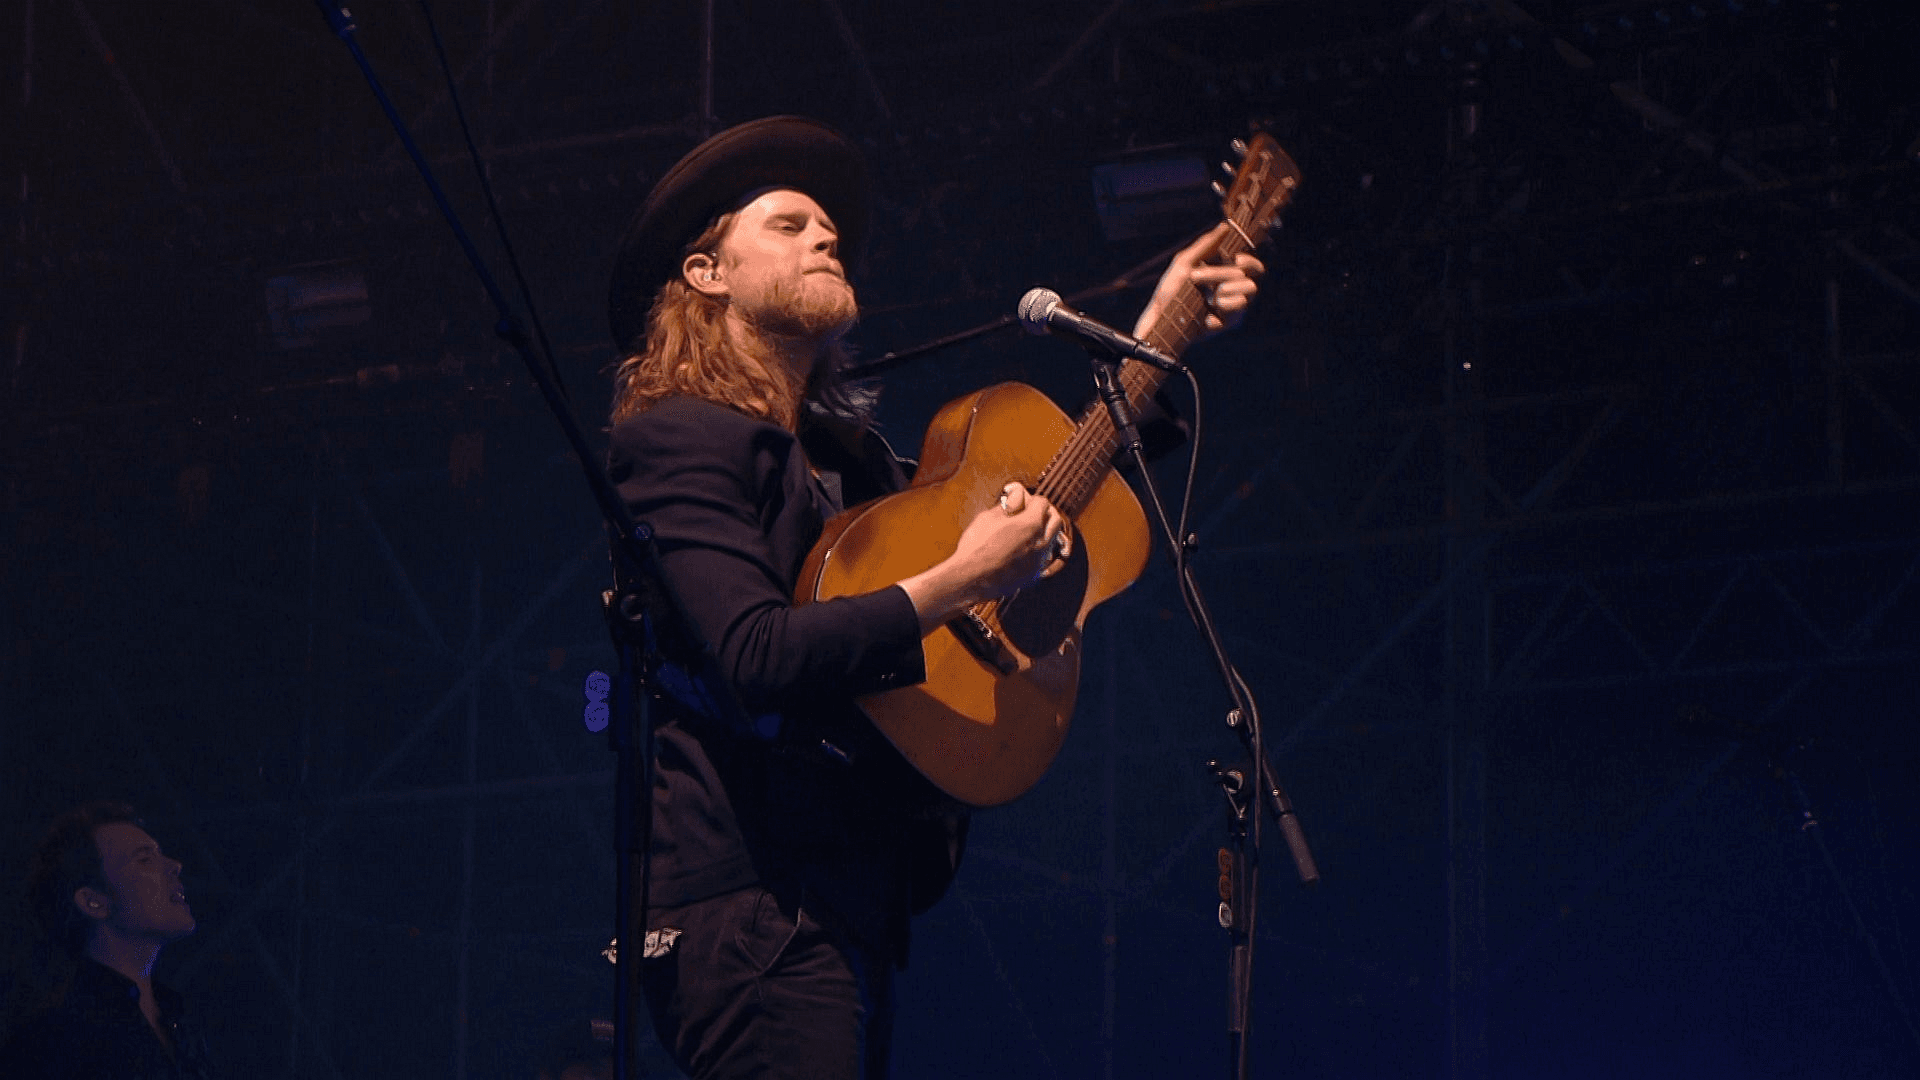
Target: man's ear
column 701, row 271
column 93, row 903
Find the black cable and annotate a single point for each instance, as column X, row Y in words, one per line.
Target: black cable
column 1242, row 694
column 1182, row 550
column 1248, row 727
column 493, row 207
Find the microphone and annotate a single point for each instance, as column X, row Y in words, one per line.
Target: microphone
column 1042, row 311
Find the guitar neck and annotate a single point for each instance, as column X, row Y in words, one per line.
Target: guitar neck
column 1262, row 185
column 1076, row 472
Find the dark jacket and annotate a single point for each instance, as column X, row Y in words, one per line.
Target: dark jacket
column 97, row 1032
column 794, row 787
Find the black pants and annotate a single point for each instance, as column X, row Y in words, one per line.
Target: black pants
column 755, row 985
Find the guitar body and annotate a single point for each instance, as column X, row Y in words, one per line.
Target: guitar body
column 987, row 722
column 1001, row 679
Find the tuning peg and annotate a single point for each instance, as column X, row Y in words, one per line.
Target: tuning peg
column 1239, row 148
column 1227, row 167
column 1219, row 189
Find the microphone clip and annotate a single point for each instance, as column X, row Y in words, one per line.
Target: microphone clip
column 1106, row 381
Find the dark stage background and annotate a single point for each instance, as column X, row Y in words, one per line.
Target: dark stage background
column 1583, row 394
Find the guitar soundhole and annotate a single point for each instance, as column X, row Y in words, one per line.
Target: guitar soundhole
column 986, row 645
column 1041, row 616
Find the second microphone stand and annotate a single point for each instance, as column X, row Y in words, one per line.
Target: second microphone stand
column 636, row 572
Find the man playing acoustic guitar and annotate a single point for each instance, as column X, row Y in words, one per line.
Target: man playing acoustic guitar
column 791, row 841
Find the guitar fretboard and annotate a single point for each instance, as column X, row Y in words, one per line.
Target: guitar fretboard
column 1263, row 184
column 1076, row 472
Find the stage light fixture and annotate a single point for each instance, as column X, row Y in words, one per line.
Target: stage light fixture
column 1151, row 198
column 322, row 299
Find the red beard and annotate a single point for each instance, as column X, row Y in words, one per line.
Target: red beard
column 818, row 306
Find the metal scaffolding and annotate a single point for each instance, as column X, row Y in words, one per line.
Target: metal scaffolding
column 1419, row 572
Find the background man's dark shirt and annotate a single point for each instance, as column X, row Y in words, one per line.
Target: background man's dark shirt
column 97, row 1032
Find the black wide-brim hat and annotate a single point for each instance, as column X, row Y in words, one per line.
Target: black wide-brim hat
column 715, row 177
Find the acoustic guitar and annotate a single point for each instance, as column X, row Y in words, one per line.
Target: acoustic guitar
column 1001, row 679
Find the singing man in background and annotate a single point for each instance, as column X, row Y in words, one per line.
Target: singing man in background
column 111, row 899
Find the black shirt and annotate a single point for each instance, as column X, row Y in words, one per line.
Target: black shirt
column 97, row 1032
column 795, row 786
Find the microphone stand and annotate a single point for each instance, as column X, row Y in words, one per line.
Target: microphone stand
column 1239, row 861
column 636, row 570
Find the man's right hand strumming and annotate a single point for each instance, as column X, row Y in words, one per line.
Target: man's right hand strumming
column 1004, row 548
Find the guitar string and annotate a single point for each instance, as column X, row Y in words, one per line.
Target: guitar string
column 1071, row 480
column 1077, row 472
column 1073, row 477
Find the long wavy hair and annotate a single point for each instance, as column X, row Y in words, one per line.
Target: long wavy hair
column 687, row 351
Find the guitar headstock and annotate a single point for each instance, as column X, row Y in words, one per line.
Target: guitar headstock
column 1263, row 183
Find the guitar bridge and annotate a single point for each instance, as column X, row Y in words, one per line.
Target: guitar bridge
column 984, row 642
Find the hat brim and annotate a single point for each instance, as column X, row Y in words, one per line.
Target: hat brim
column 715, row 177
